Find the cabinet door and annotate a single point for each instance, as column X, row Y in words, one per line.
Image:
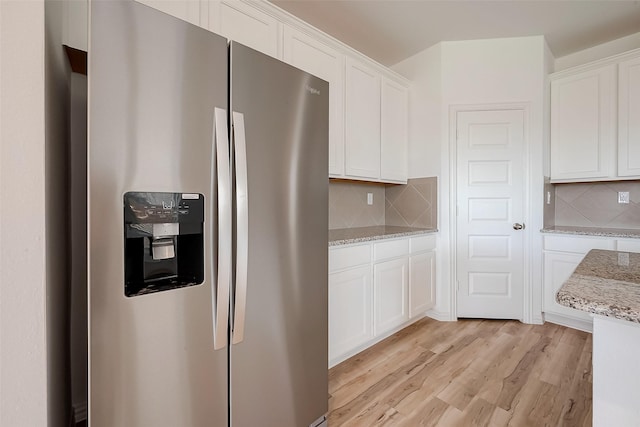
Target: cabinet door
column 350, row 301
column 422, row 294
column 312, row 56
column 583, row 125
column 362, row 121
column 187, row 10
column 558, row 267
column 245, row 24
column 390, row 294
column 629, row 118
column 393, row 138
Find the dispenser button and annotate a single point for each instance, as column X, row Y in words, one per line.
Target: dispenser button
column 163, row 248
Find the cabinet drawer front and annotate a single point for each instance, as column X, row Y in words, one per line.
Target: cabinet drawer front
column 631, row 245
column 390, row 249
column 341, row 258
column 578, row 245
column 422, row 243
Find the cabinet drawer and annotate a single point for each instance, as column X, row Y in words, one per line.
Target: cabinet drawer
column 352, row 256
column 422, row 243
column 630, row 245
column 579, row 245
column 390, row 249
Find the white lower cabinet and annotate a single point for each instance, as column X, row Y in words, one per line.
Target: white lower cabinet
column 350, row 300
column 377, row 288
column 422, row 290
column 558, row 267
column 561, row 255
column 390, row 290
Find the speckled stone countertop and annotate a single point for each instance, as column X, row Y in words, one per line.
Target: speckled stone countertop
column 347, row 236
column 593, row 231
column 605, row 283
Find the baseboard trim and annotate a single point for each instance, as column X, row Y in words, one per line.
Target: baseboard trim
column 569, row 322
column 440, row 316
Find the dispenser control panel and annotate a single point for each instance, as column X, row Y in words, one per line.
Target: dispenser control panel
column 164, row 207
column 164, row 241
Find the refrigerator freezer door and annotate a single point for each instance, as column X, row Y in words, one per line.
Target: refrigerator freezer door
column 154, row 82
column 279, row 369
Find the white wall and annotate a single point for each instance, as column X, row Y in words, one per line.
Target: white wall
column 478, row 72
column 425, row 98
column 604, row 50
column 23, row 357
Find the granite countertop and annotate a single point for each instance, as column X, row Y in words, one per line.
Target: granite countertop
column 605, row 283
column 593, row 231
column 346, row 236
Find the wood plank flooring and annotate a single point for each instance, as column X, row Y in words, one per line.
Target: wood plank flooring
column 467, row 373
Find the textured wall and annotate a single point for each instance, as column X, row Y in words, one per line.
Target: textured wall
column 23, row 353
column 595, row 204
column 412, row 205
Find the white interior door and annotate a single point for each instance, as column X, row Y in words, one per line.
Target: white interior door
column 490, row 194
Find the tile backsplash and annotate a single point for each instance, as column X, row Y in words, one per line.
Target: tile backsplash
column 413, row 204
column 348, row 204
column 549, row 208
column 595, row 204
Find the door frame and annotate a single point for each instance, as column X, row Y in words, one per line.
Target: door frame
column 528, row 315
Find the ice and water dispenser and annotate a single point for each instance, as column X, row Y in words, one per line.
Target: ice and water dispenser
column 163, row 241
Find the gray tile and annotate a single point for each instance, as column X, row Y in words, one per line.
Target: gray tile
column 410, row 204
column 426, row 220
column 567, row 215
column 570, row 192
column 599, row 204
column 633, row 187
column 425, row 186
column 549, row 209
column 630, row 218
column 393, row 191
column 393, row 217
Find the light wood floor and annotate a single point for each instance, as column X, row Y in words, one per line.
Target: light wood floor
column 467, row 373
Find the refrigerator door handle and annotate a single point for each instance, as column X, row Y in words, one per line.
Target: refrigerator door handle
column 220, row 290
column 242, row 228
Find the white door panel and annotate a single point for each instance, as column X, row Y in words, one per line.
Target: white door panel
column 490, row 161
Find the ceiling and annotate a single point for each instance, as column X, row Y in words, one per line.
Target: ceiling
column 392, row 30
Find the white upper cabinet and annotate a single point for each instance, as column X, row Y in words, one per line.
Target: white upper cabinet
column 245, row 24
column 376, row 114
column 583, row 125
column 187, row 10
column 595, row 121
column 321, row 60
column 629, row 118
column 368, row 104
column 393, row 143
column 362, row 121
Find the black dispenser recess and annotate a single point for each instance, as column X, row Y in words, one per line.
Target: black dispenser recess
column 163, row 241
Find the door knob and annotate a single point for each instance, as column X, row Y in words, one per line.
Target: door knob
column 518, row 226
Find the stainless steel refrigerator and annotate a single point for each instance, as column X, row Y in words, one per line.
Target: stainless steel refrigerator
column 207, row 199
